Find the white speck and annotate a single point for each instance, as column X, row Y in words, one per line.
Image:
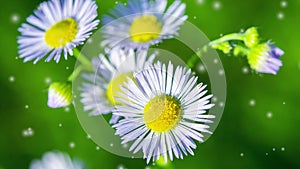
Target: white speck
column 89, row 41
column 200, row 1
column 282, row 149
column 11, row 78
column 267, row 154
column 283, row 4
column 221, row 34
column 214, row 99
column 48, row 80
column 72, row 144
column 274, row 149
column 15, row 18
column 221, row 104
column 283, row 103
column 67, row 67
column 195, row 17
column 121, row 166
column 221, row 72
column 59, row 125
column 28, row 132
column 97, row 148
column 245, row 70
column 125, row 4
column 88, row 136
column 252, row 102
column 217, row 5
column 216, row 61
column 147, row 167
column 201, row 68
column 111, row 144
column 125, row 145
column 242, row 154
column 269, row 115
column 280, row 15
column 116, row 2
column 26, row 106
column 67, row 109
column 242, row 30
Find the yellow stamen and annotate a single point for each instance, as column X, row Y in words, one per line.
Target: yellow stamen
column 162, row 113
column 61, row 33
column 114, row 87
column 145, row 28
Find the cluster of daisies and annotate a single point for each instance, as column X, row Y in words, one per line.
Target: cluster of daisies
column 158, row 108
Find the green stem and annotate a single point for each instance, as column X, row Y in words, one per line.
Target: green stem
column 234, row 36
column 229, row 37
column 82, row 59
column 75, row 73
column 85, row 64
column 193, row 60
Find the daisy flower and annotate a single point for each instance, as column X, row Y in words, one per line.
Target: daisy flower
column 99, row 89
column 264, row 58
column 55, row 28
column 56, row 160
column 142, row 23
column 164, row 112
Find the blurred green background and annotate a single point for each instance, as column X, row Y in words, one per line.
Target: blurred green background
column 261, row 135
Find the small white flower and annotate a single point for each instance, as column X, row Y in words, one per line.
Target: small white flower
column 164, row 112
column 56, row 27
column 100, row 88
column 56, row 160
column 59, row 95
column 142, row 23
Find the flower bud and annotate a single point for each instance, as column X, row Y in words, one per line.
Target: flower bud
column 59, row 95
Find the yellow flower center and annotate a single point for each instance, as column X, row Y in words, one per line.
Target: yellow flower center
column 145, row 28
column 162, row 113
column 114, row 89
column 61, row 33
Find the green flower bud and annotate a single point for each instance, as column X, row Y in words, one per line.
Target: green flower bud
column 59, row 95
column 251, row 37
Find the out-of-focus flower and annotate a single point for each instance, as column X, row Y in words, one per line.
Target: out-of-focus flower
column 264, row 58
column 112, row 70
column 164, row 112
column 56, row 27
column 142, row 23
column 56, row 160
column 59, row 95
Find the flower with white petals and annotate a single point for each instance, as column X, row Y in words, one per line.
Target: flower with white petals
column 164, row 112
column 100, row 88
column 55, row 28
column 265, row 58
column 142, row 23
column 56, row 160
column 59, row 95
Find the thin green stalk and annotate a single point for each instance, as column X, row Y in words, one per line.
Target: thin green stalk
column 226, row 38
column 75, row 73
column 82, row 59
column 234, row 36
